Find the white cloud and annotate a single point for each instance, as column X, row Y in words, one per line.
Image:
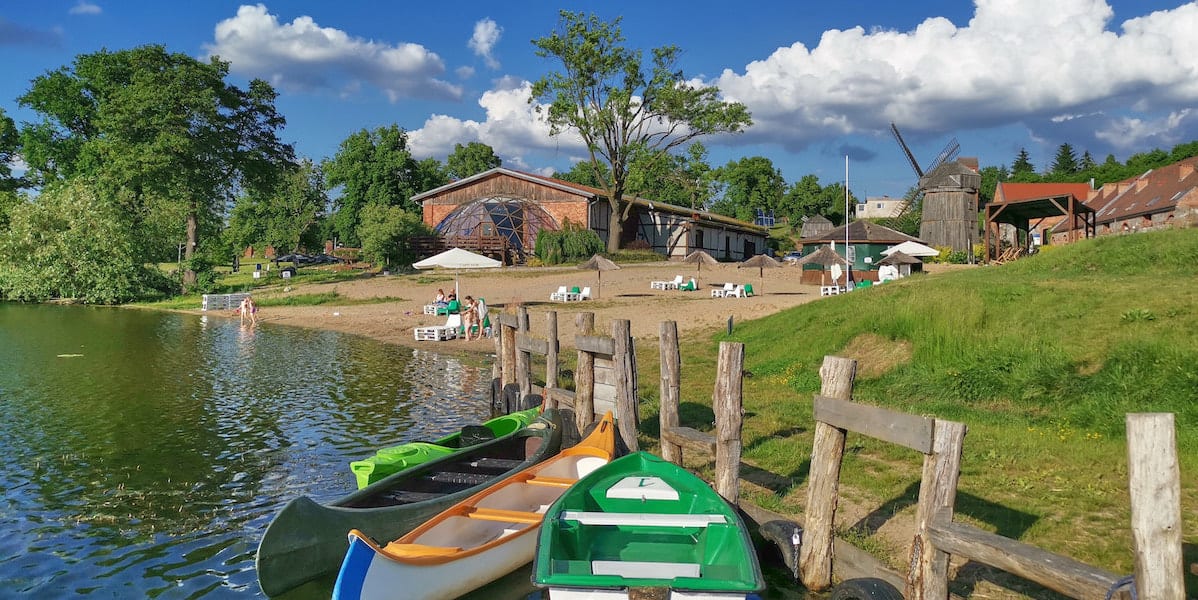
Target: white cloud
column 464, row 72
column 512, row 127
column 301, row 55
column 486, row 35
column 1015, row 61
column 83, row 7
column 1133, row 134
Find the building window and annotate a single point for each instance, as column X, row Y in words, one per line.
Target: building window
column 852, row 254
column 880, row 205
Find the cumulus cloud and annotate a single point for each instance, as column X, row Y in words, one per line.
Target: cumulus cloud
column 12, row 34
column 486, row 35
column 83, row 7
column 301, row 55
column 1016, row 61
column 512, row 127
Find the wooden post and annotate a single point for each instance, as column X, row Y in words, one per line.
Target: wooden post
column 1154, row 479
column 671, row 384
column 815, row 556
column 584, row 376
column 728, row 400
column 551, row 360
column 508, row 344
column 928, row 577
column 523, row 359
column 627, row 411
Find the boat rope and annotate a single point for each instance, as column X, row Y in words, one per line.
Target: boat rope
column 1129, row 582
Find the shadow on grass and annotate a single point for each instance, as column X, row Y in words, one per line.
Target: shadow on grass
column 1007, row 522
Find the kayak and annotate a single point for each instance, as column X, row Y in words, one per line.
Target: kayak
column 644, row 522
column 306, row 540
column 478, row 540
column 397, row 458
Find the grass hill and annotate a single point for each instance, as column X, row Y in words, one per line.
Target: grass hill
column 1040, row 358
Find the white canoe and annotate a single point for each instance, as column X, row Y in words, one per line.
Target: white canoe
column 479, row 540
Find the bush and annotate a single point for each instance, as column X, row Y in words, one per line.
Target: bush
column 572, row 243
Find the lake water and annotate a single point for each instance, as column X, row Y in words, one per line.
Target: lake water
column 142, row 453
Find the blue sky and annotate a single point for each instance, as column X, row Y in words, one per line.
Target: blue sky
column 823, row 80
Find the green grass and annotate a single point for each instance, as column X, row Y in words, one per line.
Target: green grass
column 1041, row 358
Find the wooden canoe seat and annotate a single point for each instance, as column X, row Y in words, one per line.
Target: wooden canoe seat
column 644, row 570
column 506, row 516
column 562, row 482
column 418, row 550
column 642, row 519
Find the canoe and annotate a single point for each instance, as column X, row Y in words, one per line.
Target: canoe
column 397, row 458
column 640, row 522
column 306, row 540
column 475, row 542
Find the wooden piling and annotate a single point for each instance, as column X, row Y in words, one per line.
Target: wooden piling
column 584, row 376
column 928, row 576
column 671, row 385
column 551, row 357
column 728, row 401
column 627, row 404
column 1154, row 478
column 815, row 556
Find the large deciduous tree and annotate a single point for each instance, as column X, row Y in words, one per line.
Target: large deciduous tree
column 750, row 183
column 376, row 167
column 155, row 126
column 618, row 106
column 280, row 216
column 471, row 159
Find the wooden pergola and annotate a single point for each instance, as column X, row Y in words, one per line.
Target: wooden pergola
column 1021, row 213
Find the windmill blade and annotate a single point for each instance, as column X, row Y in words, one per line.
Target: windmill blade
column 949, row 153
column 906, row 151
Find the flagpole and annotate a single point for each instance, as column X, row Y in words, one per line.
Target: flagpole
column 849, row 269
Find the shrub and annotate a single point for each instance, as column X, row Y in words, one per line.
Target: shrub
column 573, row 242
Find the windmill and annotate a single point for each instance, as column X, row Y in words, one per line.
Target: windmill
column 949, row 190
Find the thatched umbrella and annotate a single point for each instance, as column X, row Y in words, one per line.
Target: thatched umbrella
column 699, row 257
column 825, row 256
column 600, row 264
column 761, row 262
column 900, row 259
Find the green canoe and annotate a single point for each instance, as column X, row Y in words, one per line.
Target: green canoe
column 641, row 522
column 397, row 458
column 308, row 540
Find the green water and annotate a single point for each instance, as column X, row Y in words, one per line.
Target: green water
column 142, row 453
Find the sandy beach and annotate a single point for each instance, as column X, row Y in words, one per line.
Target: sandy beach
column 623, row 294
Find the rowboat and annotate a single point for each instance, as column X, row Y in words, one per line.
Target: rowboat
column 480, row 539
column 394, row 459
column 643, row 522
column 306, row 540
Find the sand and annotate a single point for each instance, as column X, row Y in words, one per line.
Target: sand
column 623, row 294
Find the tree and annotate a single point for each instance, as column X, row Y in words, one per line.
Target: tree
column 1087, row 162
column 73, row 243
column 991, row 177
column 1023, row 164
column 9, row 143
column 582, row 173
column 471, row 159
column 1065, row 163
column 605, row 94
column 384, row 231
column 376, row 167
column 282, row 215
column 750, row 184
column 152, row 127
column 803, row 199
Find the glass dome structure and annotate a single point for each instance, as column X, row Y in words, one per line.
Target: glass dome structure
column 516, row 219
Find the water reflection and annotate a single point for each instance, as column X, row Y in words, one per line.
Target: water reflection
column 147, row 462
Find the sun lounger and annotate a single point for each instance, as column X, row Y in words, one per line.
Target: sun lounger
column 440, row 333
column 724, row 291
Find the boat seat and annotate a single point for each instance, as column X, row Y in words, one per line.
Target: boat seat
column 642, row 519
column 418, row 550
column 644, row 570
column 467, row 478
column 506, row 516
column 562, row 482
column 497, row 463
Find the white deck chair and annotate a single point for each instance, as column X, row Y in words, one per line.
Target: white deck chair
column 724, row 291
column 673, row 285
column 559, row 296
column 437, row 333
column 585, row 294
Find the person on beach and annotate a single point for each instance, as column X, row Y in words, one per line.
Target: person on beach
column 440, row 297
column 248, row 309
column 469, row 316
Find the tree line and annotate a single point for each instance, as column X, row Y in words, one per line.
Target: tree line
column 143, row 156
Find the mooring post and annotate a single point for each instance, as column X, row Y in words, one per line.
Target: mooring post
column 728, row 402
column 551, row 366
column 815, row 556
column 523, row 358
column 928, row 575
column 671, row 385
column 626, row 394
column 1154, row 479
column 584, row 376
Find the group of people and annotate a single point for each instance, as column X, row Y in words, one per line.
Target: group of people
column 248, row 310
column 473, row 312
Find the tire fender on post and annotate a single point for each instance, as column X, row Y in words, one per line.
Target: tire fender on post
column 865, row 588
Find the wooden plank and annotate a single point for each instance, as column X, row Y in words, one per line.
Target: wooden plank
column 1154, row 479
column 827, row 453
column 1053, row 571
column 595, row 344
column 909, row 431
column 690, row 439
column 928, row 575
column 506, row 320
column 527, row 343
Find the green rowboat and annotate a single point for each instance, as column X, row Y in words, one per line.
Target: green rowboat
column 397, row 458
column 643, row 522
column 307, row 540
